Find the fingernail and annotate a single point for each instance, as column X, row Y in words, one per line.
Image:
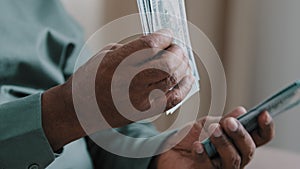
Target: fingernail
column 232, row 124
column 215, row 130
column 268, row 119
column 242, row 109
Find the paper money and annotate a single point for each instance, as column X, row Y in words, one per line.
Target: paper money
column 170, row 14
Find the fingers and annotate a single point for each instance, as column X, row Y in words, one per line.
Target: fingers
column 164, row 64
column 174, row 65
column 235, row 146
column 179, row 92
column 229, row 156
column 266, row 129
column 175, row 96
column 159, row 40
column 232, row 142
column 112, row 46
column 240, row 138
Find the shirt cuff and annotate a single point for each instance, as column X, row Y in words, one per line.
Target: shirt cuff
column 160, row 141
column 115, row 151
column 22, row 137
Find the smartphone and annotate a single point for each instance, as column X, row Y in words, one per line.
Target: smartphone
column 278, row 103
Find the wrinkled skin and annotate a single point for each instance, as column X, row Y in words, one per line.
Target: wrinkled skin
column 155, row 62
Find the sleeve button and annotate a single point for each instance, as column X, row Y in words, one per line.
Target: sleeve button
column 33, row 166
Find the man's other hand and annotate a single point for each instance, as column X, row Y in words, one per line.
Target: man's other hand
column 234, row 144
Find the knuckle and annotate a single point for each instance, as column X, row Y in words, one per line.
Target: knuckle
column 249, row 156
column 176, row 52
column 268, row 136
column 111, row 46
column 173, row 79
column 235, row 161
column 177, row 49
column 176, row 98
column 149, row 41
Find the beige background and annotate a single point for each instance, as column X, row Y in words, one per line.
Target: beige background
column 258, row 41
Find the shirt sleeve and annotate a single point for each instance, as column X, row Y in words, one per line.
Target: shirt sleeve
column 104, row 157
column 23, row 143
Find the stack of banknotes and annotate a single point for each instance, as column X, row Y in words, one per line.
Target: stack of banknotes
column 170, row 14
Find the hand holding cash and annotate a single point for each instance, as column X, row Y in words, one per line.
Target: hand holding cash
column 171, row 14
column 129, row 73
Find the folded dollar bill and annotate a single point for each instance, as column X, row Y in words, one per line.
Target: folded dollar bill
column 170, row 14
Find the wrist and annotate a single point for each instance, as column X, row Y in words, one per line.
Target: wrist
column 59, row 119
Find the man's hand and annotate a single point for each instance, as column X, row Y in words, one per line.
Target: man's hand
column 127, row 74
column 154, row 61
column 234, row 144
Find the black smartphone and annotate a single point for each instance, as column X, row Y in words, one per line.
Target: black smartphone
column 278, row 103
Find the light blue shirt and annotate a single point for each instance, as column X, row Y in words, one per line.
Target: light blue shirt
column 39, row 43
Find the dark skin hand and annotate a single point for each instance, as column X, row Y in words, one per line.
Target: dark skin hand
column 169, row 70
column 234, row 144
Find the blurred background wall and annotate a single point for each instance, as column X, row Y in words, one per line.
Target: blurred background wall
column 258, row 41
column 262, row 56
